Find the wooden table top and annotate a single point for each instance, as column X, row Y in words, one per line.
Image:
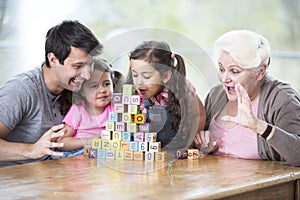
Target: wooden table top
column 84, row 178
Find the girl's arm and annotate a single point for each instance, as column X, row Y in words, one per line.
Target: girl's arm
column 70, row 143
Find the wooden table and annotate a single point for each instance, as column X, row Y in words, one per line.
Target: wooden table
column 212, row 177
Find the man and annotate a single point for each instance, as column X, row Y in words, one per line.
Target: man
column 31, row 103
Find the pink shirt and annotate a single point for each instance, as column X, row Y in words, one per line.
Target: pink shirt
column 239, row 142
column 85, row 124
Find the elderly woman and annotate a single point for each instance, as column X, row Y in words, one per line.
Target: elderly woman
column 250, row 115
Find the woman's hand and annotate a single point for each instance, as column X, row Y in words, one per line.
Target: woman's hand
column 245, row 116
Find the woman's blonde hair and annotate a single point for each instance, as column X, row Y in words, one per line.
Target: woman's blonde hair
column 247, row 48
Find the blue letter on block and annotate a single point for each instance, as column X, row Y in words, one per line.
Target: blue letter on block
column 101, row 153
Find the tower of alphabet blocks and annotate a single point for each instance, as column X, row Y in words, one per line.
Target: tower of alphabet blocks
column 127, row 136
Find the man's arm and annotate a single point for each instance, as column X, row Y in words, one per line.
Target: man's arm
column 12, row 151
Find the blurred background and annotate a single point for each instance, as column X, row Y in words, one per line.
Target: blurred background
column 24, row 24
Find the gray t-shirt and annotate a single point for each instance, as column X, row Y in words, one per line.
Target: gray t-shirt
column 28, row 109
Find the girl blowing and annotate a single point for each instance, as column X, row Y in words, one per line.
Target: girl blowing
column 169, row 101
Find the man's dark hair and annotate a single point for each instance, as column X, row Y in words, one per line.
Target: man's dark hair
column 61, row 37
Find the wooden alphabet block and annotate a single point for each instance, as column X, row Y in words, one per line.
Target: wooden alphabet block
column 144, row 127
column 128, row 155
column 119, row 155
column 133, row 146
column 149, row 156
column 138, row 155
column 117, row 98
column 119, row 108
column 120, row 126
column 127, row 118
column 124, row 146
column 193, row 154
column 101, row 154
column 131, row 127
column 105, row 135
column 126, row 99
column 92, row 153
column 143, row 146
column 135, row 100
column 127, row 136
column 110, row 154
column 133, row 109
column 139, row 118
column 96, row 143
column 105, row 144
column 110, row 126
column 154, row 146
column 128, row 89
column 138, row 137
column 150, row 137
column 161, row 156
column 113, row 117
column 115, row 144
column 181, row 154
column 117, row 135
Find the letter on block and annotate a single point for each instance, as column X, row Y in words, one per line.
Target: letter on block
column 101, row 154
column 124, row 146
column 92, row 153
column 127, row 118
column 110, row 126
column 128, row 155
column 106, row 144
column 144, row 128
column 143, row 146
column 126, row 99
column 115, row 144
column 193, row 154
column 133, row 146
column 154, row 147
column 132, row 127
column 150, row 137
column 126, row 136
column 161, row 156
column 139, row 118
column 133, row 109
column 110, row 154
column 128, row 89
column 138, row 137
column 120, row 126
column 135, row 100
column 138, row 155
column 149, row 156
column 113, row 117
column 119, row 155
column 96, row 143
column 119, row 108
column 117, row 135
column 181, row 154
column 117, row 98
column 105, row 135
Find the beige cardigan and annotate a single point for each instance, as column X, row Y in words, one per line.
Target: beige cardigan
column 279, row 105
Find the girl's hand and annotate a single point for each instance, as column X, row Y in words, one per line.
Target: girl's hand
column 245, row 116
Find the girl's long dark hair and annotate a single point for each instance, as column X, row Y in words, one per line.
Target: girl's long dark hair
column 159, row 55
